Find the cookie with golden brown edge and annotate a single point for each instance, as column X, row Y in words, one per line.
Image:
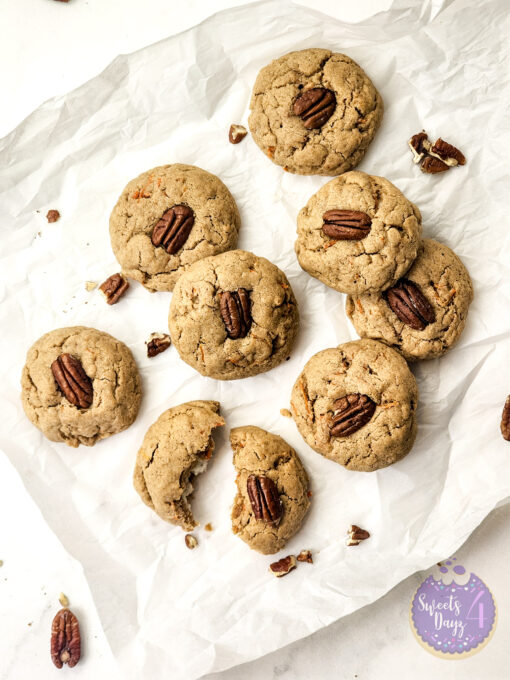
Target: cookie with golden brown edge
column 422, row 315
column 314, row 112
column 233, row 315
column 356, row 404
column 168, row 218
column 358, row 234
column 175, row 449
column 80, row 385
column 272, row 489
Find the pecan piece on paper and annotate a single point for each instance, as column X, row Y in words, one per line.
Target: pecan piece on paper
column 305, row 556
column 237, row 133
column 350, row 414
column 65, row 639
column 447, row 153
column 346, row 225
column 432, row 166
column 315, row 107
column 419, row 144
column 410, row 305
column 191, row 541
column 355, row 535
column 264, row 498
column 505, row 420
column 72, row 380
column 114, row 288
column 53, row 216
column 173, row 228
column 235, row 309
column 157, row 343
column 283, row 566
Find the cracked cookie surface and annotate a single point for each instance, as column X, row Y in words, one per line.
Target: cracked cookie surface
column 145, row 200
column 116, row 385
column 445, row 283
column 341, row 142
column 257, row 452
column 374, row 262
column 175, row 449
column 363, row 367
column 198, row 329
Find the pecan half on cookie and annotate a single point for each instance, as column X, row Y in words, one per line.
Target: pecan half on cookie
column 272, row 489
column 176, row 448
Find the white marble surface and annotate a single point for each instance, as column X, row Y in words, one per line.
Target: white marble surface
column 61, row 46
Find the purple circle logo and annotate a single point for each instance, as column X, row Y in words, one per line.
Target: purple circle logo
column 453, row 613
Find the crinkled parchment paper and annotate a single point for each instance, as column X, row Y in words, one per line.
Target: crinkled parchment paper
column 71, row 520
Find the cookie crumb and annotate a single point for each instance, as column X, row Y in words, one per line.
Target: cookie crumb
column 237, row 133
column 53, row 215
column 1, row 563
column 285, row 412
column 63, row 599
column 283, row 566
column 355, row 535
column 90, row 285
column 305, row 556
column 191, row 541
column 208, row 527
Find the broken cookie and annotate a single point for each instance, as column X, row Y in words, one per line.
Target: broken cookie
column 176, row 448
column 272, row 489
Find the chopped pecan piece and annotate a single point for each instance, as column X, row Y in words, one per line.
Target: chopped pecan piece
column 447, row 153
column 315, row 107
column 114, row 288
column 432, row 166
column 157, row 343
column 410, row 305
column 350, row 414
column 235, row 311
column 505, row 420
column 305, row 556
column 355, row 535
column 237, row 133
column 65, row 639
column 191, row 541
column 346, row 225
column 283, row 566
column 53, row 215
column 264, row 498
column 173, row 228
column 418, row 145
column 72, row 380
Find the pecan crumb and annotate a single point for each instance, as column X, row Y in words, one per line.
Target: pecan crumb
column 505, row 420
column 114, row 288
column 237, row 133
column 53, row 215
column 285, row 412
column 90, row 285
column 355, row 535
column 157, row 343
column 208, row 527
column 191, row 541
column 64, row 601
column 283, row 566
column 432, row 166
column 305, row 556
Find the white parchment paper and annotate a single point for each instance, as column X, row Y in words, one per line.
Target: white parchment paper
column 71, row 520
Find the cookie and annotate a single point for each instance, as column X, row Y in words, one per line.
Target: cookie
column 424, row 314
column 233, row 315
column 80, row 385
column 314, row 112
column 168, row 218
column 358, row 234
column 175, row 449
column 356, row 405
column 272, row 489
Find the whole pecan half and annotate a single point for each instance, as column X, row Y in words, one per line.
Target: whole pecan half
column 264, row 498
column 114, row 288
column 431, row 166
column 72, row 380
column 351, row 413
column 346, row 225
column 173, row 228
column 65, row 639
column 410, row 305
column 235, row 311
column 448, row 153
column 283, row 566
column 505, row 420
column 315, row 106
